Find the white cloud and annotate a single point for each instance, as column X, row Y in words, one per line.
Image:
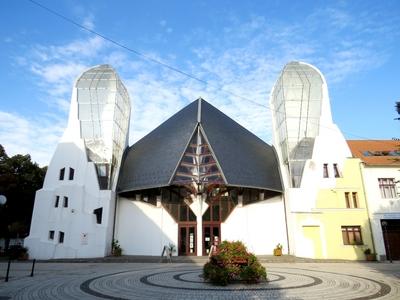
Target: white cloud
column 243, row 62
column 58, row 72
column 88, row 22
column 36, row 136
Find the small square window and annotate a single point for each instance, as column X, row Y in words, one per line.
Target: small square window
column 62, row 173
column 65, row 202
column 336, row 170
column 51, row 235
column 326, row 173
column 387, row 187
column 99, row 214
column 71, row 174
column 352, row 235
column 347, row 198
column 57, row 201
column 61, row 237
column 355, row 199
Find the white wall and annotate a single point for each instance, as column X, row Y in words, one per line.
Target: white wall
column 143, row 229
column 260, row 226
column 77, row 219
column 380, row 208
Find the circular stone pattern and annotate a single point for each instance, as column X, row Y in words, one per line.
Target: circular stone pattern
column 187, row 283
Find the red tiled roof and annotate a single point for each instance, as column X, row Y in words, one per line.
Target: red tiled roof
column 359, row 148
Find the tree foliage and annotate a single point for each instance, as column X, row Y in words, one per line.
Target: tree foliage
column 20, row 178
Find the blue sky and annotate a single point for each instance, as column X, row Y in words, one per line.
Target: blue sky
column 236, row 46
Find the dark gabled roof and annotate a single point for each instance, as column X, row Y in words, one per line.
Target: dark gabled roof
column 244, row 159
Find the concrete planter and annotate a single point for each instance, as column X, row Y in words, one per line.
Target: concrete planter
column 370, row 257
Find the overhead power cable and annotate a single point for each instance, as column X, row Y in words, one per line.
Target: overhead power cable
column 140, row 54
column 165, row 65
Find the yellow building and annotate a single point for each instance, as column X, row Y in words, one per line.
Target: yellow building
column 326, row 211
column 338, row 227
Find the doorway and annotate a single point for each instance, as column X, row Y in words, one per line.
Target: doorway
column 211, row 225
column 187, row 239
column 391, row 237
column 210, row 232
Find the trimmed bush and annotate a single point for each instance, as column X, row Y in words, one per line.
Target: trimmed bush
column 232, row 262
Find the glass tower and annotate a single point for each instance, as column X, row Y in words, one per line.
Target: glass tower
column 103, row 113
column 296, row 103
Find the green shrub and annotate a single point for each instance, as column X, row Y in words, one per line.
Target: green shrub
column 116, row 248
column 17, row 252
column 232, row 262
column 254, row 272
column 216, row 274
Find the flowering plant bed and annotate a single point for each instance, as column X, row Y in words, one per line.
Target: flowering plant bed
column 232, row 262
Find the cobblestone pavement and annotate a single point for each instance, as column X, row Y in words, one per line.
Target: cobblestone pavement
column 184, row 281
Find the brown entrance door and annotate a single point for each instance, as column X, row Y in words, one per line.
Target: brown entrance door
column 391, row 236
column 187, row 239
column 210, row 232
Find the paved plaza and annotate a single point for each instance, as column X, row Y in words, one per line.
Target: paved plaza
column 184, row 281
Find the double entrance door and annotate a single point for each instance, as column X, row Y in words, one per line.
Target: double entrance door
column 211, row 232
column 187, row 238
column 187, row 229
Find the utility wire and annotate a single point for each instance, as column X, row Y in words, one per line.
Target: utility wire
column 142, row 55
column 167, row 66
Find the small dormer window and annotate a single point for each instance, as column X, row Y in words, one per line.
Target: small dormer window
column 62, row 174
column 71, row 174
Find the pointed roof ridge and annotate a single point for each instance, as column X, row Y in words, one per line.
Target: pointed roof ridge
column 242, row 158
column 199, row 110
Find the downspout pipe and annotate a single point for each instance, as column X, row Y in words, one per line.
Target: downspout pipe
column 366, row 206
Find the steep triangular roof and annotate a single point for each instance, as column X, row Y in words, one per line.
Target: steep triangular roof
column 241, row 157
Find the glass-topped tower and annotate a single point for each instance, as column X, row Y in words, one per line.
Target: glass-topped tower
column 103, row 113
column 73, row 214
column 297, row 102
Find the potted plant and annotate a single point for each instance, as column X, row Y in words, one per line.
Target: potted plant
column 116, row 248
column 369, row 256
column 171, row 249
column 278, row 250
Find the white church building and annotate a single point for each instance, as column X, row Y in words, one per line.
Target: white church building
column 201, row 176
column 198, row 176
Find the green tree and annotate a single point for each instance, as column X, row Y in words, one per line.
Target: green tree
column 20, row 178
